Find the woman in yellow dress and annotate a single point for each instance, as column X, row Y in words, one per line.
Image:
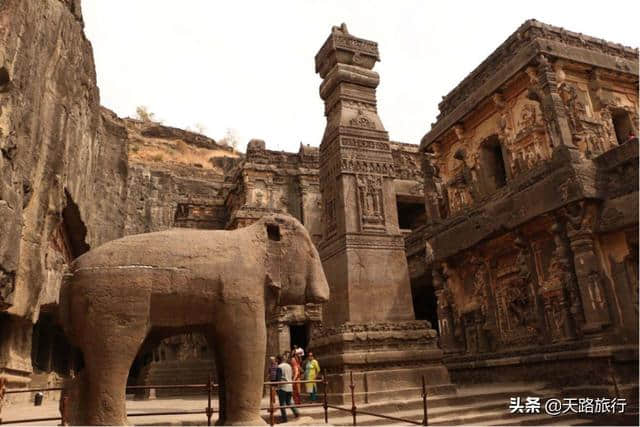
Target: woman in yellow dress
column 311, row 371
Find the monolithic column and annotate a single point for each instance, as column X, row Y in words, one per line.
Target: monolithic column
column 369, row 323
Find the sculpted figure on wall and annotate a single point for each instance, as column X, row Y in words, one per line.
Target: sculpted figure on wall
column 370, row 201
column 169, row 282
column 576, row 110
column 434, row 192
column 462, row 186
column 558, row 293
column 453, row 296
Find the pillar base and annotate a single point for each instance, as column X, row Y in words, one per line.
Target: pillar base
column 387, row 360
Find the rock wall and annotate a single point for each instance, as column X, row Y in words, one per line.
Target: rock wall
column 58, row 150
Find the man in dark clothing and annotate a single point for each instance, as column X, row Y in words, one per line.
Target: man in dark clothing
column 273, row 369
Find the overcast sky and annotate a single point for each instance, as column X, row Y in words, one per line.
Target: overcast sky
column 249, row 65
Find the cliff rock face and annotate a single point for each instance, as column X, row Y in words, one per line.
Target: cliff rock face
column 63, row 164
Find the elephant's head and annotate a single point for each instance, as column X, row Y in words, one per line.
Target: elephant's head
column 294, row 270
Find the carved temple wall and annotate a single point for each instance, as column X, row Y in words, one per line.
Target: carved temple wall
column 531, row 194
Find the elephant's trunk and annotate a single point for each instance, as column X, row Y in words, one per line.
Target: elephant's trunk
column 317, row 288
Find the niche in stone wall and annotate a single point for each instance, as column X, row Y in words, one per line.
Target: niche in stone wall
column 411, row 212
column 493, row 174
column 623, row 125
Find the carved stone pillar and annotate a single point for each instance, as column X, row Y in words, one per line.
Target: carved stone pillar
column 369, row 323
column 545, row 91
column 581, row 221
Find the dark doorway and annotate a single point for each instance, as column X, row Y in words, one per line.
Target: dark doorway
column 425, row 305
column 493, row 172
column 299, row 335
column 411, row 215
column 50, row 350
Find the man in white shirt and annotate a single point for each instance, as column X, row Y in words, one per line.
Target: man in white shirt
column 285, row 391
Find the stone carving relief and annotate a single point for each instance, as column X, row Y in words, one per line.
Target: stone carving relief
column 362, row 121
column 528, row 156
column 370, row 205
column 434, row 190
column 406, row 165
column 462, row 186
column 529, row 118
column 355, row 165
column 558, row 291
column 451, row 293
column 364, row 143
column 581, row 218
column 476, row 313
column 575, row 106
column 527, row 146
column 516, row 297
column 329, row 202
column 593, row 134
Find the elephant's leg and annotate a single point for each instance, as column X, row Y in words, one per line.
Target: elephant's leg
column 241, row 343
column 108, row 355
column 219, row 379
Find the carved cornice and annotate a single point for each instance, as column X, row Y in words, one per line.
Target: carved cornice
column 337, row 244
column 531, row 39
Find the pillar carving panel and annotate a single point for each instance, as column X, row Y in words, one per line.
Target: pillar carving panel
column 559, row 293
column 581, row 222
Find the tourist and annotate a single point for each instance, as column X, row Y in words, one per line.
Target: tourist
column 285, row 390
column 273, row 369
column 299, row 351
column 311, row 371
column 297, row 376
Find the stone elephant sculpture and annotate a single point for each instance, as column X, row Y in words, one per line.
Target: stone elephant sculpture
column 221, row 283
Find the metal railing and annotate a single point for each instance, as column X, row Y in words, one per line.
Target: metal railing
column 355, row 411
column 209, row 410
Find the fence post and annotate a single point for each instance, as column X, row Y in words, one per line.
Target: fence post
column 209, row 408
column 353, row 397
column 326, row 404
column 272, row 402
column 64, row 410
column 425, row 421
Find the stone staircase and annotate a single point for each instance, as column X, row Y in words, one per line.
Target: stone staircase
column 478, row 405
column 177, row 372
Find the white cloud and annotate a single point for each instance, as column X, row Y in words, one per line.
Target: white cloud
column 249, row 65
